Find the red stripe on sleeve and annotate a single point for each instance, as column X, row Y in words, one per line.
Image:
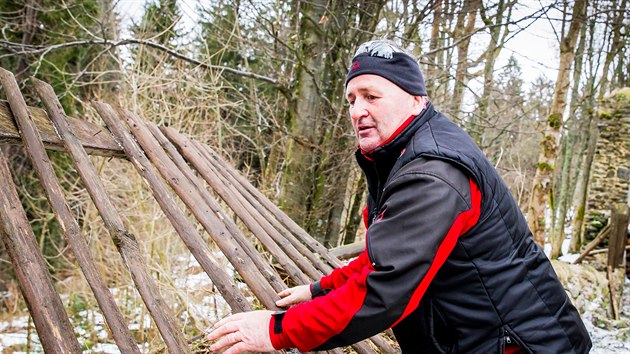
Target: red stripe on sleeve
column 463, row 223
column 325, row 316
column 339, row 276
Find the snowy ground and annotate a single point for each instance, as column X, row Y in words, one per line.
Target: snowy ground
column 608, row 336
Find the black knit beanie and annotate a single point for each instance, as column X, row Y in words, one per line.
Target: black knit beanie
column 397, row 67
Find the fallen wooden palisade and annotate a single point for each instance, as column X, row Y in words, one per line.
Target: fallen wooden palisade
column 170, row 163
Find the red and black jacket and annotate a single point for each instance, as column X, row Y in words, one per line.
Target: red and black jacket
column 449, row 262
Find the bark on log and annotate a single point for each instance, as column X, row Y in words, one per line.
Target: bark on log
column 619, row 216
column 277, row 245
column 348, row 251
column 194, row 156
column 95, row 139
column 51, row 321
column 314, row 266
column 591, row 245
column 72, row 232
column 186, row 191
column 130, row 251
column 285, row 219
column 261, row 264
column 253, row 223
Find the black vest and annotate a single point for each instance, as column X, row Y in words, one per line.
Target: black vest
column 497, row 285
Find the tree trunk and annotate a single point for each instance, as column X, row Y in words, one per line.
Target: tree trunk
column 433, row 45
column 542, row 184
column 616, row 44
column 562, row 200
column 463, row 30
column 305, row 114
column 498, row 35
column 30, row 26
column 565, row 179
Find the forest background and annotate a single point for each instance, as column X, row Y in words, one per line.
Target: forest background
column 262, row 82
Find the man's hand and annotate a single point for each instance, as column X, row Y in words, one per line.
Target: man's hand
column 294, row 296
column 242, row 332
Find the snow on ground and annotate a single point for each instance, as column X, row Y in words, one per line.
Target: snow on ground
column 609, row 337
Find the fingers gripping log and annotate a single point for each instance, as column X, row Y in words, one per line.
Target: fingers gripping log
column 191, row 151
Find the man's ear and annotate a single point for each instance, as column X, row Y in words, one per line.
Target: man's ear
column 418, row 105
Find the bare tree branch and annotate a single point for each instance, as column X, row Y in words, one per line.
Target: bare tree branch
column 19, row 49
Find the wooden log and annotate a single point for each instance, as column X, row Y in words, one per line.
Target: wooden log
column 261, row 264
column 188, row 193
column 72, row 232
column 194, row 156
column 272, row 224
column 188, row 150
column 95, row 139
column 307, row 239
column 348, row 251
column 51, row 321
column 604, row 250
column 130, row 251
column 591, row 245
column 361, row 347
column 281, row 246
column 381, row 343
column 619, row 216
column 613, row 297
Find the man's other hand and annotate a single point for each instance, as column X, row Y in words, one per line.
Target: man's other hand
column 242, row 332
column 294, row 296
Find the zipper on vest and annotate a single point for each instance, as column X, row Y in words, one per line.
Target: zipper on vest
column 507, row 338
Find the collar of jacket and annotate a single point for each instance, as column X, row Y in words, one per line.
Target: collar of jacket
column 378, row 163
column 393, row 148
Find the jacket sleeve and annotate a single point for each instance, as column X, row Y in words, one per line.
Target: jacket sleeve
column 426, row 206
column 338, row 277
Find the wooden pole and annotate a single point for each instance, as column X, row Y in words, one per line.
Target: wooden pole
column 295, row 249
column 612, row 292
column 619, row 215
column 95, row 139
column 130, row 251
column 591, row 245
column 51, row 321
column 193, row 155
column 604, row 250
column 187, row 192
column 276, row 243
column 348, row 251
column 313, row 244
column 37, row 153
column 261, row 264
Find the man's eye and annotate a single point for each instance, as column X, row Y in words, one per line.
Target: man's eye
column 371, row 97
column 351, row 103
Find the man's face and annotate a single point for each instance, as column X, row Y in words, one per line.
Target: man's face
column 377, row 108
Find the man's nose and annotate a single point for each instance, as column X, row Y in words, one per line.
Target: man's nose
column 358, row 110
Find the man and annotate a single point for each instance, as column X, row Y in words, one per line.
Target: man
column 449, row 263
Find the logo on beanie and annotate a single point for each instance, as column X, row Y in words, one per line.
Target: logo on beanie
column 355, row 65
